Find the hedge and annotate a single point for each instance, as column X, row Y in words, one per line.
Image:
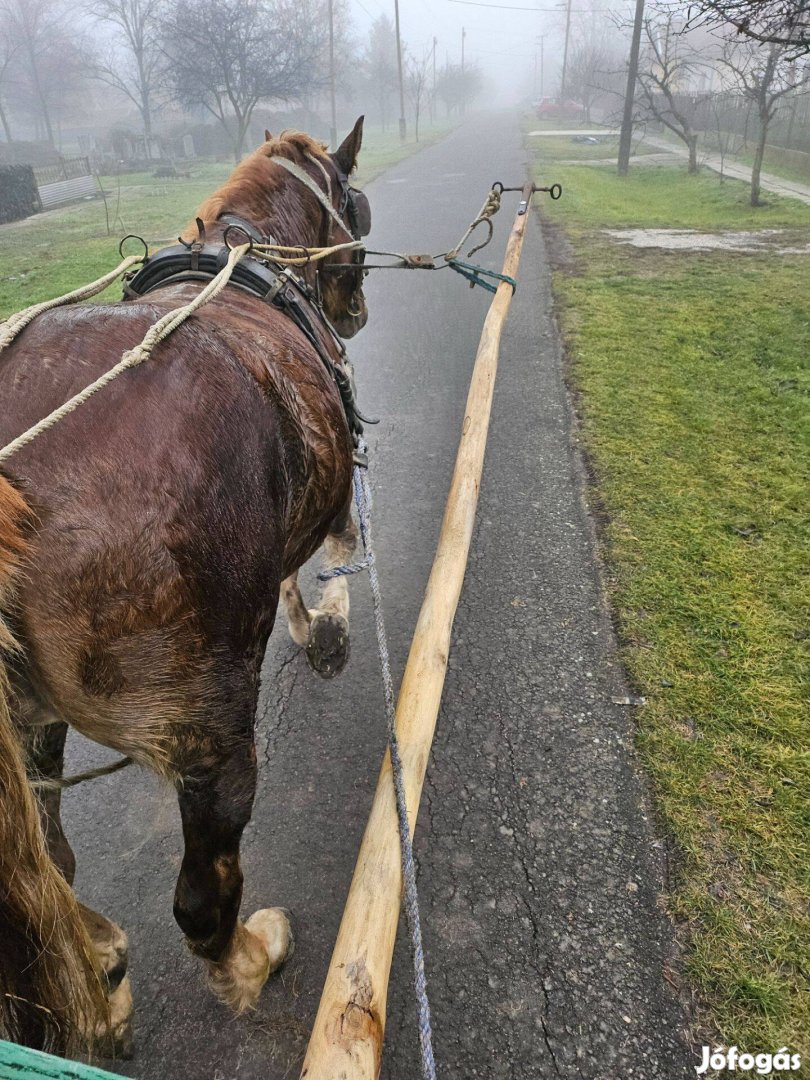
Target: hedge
column 18, row 192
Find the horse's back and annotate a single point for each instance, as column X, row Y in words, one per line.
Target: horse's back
column 163, row 508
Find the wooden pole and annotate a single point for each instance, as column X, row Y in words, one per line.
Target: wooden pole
column 402, row 122
column 347, row 1039
column 333, row 109
column 626, row 136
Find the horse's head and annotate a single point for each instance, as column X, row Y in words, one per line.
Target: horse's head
column 293, row 190
column 344, row 216
column 342, row 289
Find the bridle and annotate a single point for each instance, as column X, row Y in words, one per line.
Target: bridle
column 353, row 206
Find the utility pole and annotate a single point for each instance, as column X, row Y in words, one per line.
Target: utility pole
column 626, row 136
column 433, row 92
column 565, row 49
column 402, row 124
column 333, row 128
column 541, row 39
column 463, row 87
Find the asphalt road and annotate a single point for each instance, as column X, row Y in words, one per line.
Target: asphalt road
column 539, row 868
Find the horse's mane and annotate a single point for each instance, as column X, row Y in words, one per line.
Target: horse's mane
column 255, row 177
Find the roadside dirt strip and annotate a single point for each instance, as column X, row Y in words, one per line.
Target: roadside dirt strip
column 540, row 872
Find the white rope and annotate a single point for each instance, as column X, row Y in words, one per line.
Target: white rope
column 14, row 324
column 311, row 254
column 156, row 333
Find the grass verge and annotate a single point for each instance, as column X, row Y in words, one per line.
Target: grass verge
column 52, row 253
column 692, row 377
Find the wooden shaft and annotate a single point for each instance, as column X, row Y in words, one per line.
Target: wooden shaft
column 346, row 1041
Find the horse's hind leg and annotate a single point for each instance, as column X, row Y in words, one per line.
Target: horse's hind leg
column 45, row 752
column 324, row 630
column 299, row 618
column 216, row 799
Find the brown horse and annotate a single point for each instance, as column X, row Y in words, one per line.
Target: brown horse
column 144, row 541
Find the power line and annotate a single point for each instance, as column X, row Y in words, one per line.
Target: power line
column 514, row 7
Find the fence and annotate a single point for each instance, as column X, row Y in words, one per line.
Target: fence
column 64, row 182
column 734, row 114
column 67, row 169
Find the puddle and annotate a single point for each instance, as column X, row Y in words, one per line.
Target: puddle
column 768, row 241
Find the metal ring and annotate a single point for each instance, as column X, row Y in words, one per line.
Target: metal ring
column 239, row 229
column 498, row 186
column 133, row 236
column 555, row 188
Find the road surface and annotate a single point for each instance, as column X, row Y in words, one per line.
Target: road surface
column 539, row 869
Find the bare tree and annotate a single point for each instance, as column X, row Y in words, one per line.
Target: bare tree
column 416, row 84
column 726, row 141
column 665, row 67
column 457, row 86
column 134, row 64
column 35, row 26
column 764, row 76
column 8, row 51
column 588, row 63
column 228, row 56
column 380, row 63
column 775, row 22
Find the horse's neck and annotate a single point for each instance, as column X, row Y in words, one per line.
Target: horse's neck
column 285, row 220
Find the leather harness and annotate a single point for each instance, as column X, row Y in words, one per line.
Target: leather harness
column 201, row 261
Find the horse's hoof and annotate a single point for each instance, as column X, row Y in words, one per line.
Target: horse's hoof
column 116, row 1041
column 272, row 927
column 328, row 645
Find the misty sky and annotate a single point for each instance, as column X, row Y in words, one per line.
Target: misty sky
column 501, row 40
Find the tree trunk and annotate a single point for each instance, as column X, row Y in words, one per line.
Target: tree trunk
column 243, row 123
column 691, row 142
column 4, row 122
column 759, row 154
column 46, row 116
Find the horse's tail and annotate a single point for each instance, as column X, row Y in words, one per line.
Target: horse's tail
column 50, row 994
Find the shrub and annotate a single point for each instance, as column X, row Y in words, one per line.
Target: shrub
column 18, row 192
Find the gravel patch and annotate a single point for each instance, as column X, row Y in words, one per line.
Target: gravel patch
column 772, row 241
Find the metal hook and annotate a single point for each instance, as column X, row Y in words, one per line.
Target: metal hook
column 239, row 229
column 133, row 236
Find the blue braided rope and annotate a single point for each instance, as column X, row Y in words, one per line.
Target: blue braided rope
column 362, row 497
column 345, row 571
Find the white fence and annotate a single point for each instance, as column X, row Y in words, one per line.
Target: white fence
column 65, row 182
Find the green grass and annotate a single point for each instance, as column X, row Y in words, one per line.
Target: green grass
column 52, row 253
column 665, row 197
column 785, row 170
column 563, row 148
column 693, row 376
column 774, row 162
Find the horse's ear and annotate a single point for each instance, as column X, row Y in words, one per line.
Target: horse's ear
column 267, row 136
column 345, row 157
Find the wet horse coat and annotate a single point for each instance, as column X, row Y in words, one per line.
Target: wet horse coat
column 164, row 515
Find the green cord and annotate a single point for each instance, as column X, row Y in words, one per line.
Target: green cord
column 475, row 274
